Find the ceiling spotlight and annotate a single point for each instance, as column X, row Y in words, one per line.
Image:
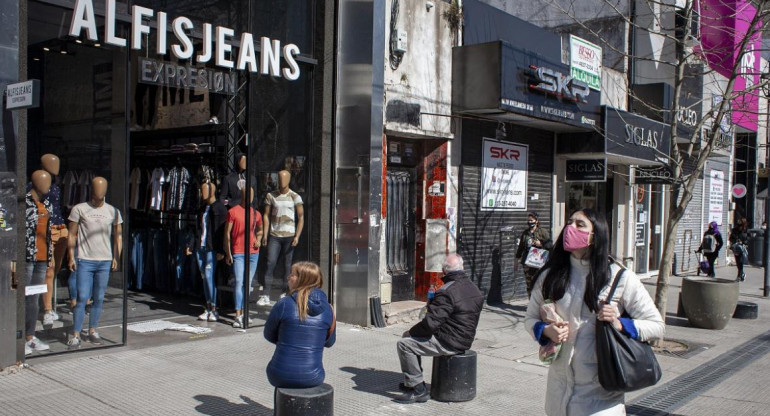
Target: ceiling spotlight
column 35, row 59
column 97, row 44
column 78, row 41
column 46, row 48
column 63, row 52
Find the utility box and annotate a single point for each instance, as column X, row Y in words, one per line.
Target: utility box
column 401, row 41
column 756, row 246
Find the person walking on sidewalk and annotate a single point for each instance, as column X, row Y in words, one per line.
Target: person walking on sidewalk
column 448, row 328
column 300, row 325
column 576, row 276
column 532, row 236
column 710, row 245
column 738, row 240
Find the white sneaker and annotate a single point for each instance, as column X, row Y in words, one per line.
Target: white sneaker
column 213, row 316
column 204, row 316
column 264, row 300
column 55, row 315
column 48, row 318
column 27, row 349
column 238, row 322
column 37, row 344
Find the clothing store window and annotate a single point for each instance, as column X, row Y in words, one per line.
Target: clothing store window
column 78, row 138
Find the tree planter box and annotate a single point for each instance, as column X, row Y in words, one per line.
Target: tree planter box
column 709, row 303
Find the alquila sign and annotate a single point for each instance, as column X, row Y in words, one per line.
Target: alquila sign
column 217, row 47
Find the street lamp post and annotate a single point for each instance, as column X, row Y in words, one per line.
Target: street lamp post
column 765, row 79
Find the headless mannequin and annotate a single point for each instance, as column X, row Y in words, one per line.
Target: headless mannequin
column 51, row 164
column 41, row 185
column 98, row 195
column 285, row 237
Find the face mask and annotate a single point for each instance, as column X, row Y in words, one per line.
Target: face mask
column 532, row 224
column 575, row 239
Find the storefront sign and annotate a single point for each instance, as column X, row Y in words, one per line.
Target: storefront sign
column 23, row 95
column 586, row 62
column 558, row 85
column 635, row 136
column 217, row 41
column 655, row 174
column 725, row 24
column 504, row 176
column 716, row 195
column 586, row 170
column 739, row 190
column 170, row 74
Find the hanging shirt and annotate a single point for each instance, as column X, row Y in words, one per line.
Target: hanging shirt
column 157, row 180
column 283, row 208
column 135, row 185
column 69, row 193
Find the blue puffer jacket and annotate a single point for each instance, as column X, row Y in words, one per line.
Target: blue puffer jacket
column 298, row 358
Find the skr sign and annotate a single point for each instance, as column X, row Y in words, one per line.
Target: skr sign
column 504, row 153
column 558, row 85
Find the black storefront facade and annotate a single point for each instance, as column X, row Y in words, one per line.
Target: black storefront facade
column 130, row 90
column 514, row 102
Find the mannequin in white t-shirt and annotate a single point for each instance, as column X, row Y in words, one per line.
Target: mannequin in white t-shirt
column 284, row 219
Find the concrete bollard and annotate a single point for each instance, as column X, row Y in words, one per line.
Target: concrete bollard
column 454, row 377
column 314, row 401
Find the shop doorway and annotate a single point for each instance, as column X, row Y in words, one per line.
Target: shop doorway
column 400, row 232
column 642, row 229
column 656, row 226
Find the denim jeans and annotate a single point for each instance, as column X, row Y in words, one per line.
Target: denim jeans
column 92, row 279
column 239, row 265
column 139, row 241
column 275, row 247
column 207, row 264
column 35, row 276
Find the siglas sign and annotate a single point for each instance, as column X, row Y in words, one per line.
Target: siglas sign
column 23, row 95
column 635, row 136
column 586, row 170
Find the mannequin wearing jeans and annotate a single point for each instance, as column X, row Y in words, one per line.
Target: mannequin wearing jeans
column 39, row 253
column 51, row 164
column 92, row 224
column 208, row 246
column 281, row 209
column 235, row 242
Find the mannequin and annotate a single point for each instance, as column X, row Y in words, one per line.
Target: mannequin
column 208, row 246
column 282, row 208
column 51, row 164
column 39, row 253
column 91, row 225
column 235, row 247
column 235, row 182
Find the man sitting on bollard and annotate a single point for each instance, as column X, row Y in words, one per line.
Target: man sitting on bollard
column 448, row 328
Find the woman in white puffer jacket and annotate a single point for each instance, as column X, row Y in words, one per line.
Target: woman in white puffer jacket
column 577, row 276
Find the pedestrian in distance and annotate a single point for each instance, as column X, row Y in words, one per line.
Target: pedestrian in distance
column 710, row 245
column 738, row 240
column 577, row 278
column 301, row 325
column 448, row 328
column 532, row 236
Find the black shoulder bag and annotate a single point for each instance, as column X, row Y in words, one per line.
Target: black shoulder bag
column 625, row 364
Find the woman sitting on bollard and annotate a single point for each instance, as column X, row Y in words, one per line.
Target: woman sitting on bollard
column 300, row 325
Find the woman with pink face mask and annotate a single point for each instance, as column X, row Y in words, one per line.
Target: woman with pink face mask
column 577, row 279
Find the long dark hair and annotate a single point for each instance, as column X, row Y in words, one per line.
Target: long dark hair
column 556, row 269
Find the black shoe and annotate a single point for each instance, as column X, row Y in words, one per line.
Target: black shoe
column 419, row 394
column 742, row 277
